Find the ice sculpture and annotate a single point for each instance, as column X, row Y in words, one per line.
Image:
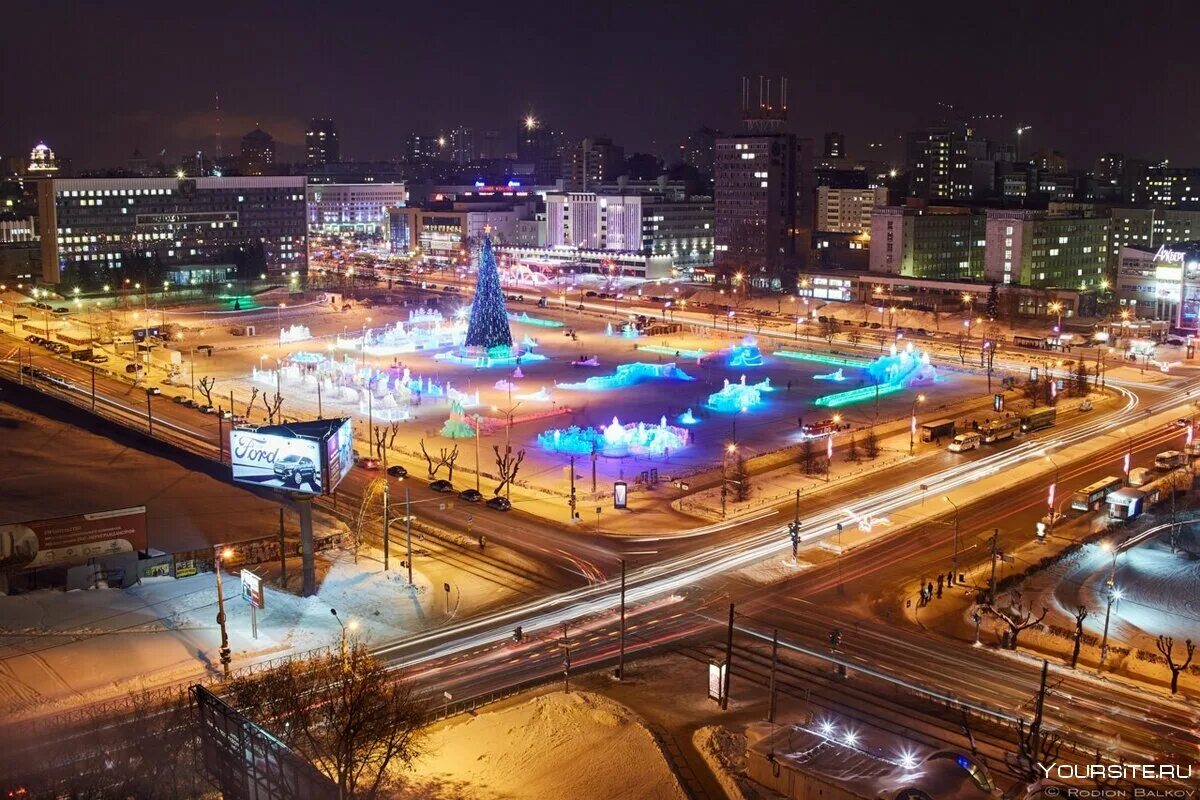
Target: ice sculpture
column 736, row 397
column 636, row 438
column 628, row 375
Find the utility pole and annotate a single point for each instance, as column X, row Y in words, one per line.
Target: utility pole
column 149, row 415
column 992, row 580
column 386, row 533
column 794, row 529
column 477, row 452
column 621, row 657
column 225, row 654
column 571, row 502
column 774, row 661
column 93, row 387
column 566, row 661
column 282, row 552
column 728, row 662
column 221, row 439
column 408, row 532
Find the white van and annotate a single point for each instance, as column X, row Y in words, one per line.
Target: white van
column 964, row 442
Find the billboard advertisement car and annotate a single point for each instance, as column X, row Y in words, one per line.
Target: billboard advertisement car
column 276, row 460
column 306, row 457
column 64, row 541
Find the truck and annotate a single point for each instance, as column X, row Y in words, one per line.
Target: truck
column 997, row 430
column 937, row 429
column 965, row 441
column 1037, row 420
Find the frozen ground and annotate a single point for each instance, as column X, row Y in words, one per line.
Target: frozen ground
column 556, row 745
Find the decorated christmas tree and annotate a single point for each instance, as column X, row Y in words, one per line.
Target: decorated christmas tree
column 488, row 326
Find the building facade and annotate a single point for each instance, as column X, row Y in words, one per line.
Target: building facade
column 352, row 207
column 591, row 162
column 1036, row 248
column 941, row 242
column 1148, row 228
column 105, row 229
column 847, row 210
column 321, row 144
column 755, row 201
column 1161, row 283
column 258, row 152
column 942, row 163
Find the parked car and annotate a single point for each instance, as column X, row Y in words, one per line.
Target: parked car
column 62, row 310
column 1182, row 422
column 442, row 486
column 60, row 348
column 207, row 409
column 368, row 463
column 498, row 503
column 397, row 471
column 153, row 390
column 20, row 316
column 471, row 495
column 180, row 399
column 99, row 359
column 132, row 368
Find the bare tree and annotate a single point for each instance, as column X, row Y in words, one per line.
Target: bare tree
column 962, row 348
column 393, row 431
column 205, row 386
column 272, row 406
column 447, row 459
column 829, row 329
column 1035, row 746
column 808, row 456
column 346, row 713
column 855, row 336
column 1015, row 616
column 1032, row 390
column 380, row 443
column 1166, row 646
column 369, row 510
column 250, row 404
column 430, row 466
column 871, row 444
column 507, row 466
column 1080, row 615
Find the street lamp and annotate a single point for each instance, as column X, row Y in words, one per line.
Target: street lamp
column 1050, row 491
column 1114, row 594
column 912, row 428
column 1057, row 308
column 954, row 558
column 223, row 553
column 353, row 626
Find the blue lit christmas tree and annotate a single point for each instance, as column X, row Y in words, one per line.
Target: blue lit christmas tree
column 488, row 327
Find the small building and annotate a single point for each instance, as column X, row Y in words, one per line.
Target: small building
column 840, row 763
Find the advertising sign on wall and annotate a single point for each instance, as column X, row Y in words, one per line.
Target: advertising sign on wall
column 72, row 540
column 276, row 459
column 252, row 591
column 340, row 449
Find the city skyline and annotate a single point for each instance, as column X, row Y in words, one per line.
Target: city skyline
column 846, row 68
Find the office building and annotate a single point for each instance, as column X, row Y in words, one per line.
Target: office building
column 927, row 241
column 352, row 208
column 192, row 230
column 1041, row 249
column 633, row 222
column 20, row 256
column 697, row 151
column 594, row 160
column 258, row 152
column 443, row 231
column 462, row 146
column 424, row 148
column 755, row 202
column 1170, row 187
column 321, row 143
column 492, row 146
column 540, row 148
column 835, row 145
column 847, row 210
column 1150, row 228
column 948, row 164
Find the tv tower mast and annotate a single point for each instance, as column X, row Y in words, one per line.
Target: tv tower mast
column 217, row 151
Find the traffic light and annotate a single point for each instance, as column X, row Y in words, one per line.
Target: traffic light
column 835, row 638
column 794, row 532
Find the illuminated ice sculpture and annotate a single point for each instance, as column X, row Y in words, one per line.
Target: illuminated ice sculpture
column 888, row 374
column 736, row 397
column 629, row 375
column 616, row 439
column 746, row 354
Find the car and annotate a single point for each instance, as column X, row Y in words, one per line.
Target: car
column 397, row 471
column 206, row 409
column 62, row 310
column 180, row 399
column 132, row 368
column 498, row 503
column 99, row 359
column 443, row 486
column 1182, row 422
column 238, row 419
column 471, row 495
column 31, row 339
column 875, row 326
column 60, row 348
column 20, row 316
column 367, row 463
column 295, row 469
column 153, row 390
column 1086, row 405
column 26, row 369
column 225, row 413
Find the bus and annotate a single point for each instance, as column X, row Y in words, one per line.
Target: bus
column 1037, row 420
column 997, row 430
column 1169, row 459
column 1035, row 342
column 1089, row 498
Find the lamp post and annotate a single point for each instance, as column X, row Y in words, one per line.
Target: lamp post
column 1050, row 492
column 912, row 427
column 954, row 557
column 1113, row 594
column 224, row 552
column 345, row 648
column 1057, row 308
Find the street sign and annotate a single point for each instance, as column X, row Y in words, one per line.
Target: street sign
column 716, row 680
column 620, row 494
column 252, row 591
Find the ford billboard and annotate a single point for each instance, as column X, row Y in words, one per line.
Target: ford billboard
column 305, row 457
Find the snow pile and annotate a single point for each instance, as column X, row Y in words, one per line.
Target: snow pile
column 555, row 745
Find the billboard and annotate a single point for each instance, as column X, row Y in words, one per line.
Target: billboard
column 64, row 541
column 252, row 591
column 305, row 457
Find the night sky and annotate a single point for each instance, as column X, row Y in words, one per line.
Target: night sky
column 97, row 79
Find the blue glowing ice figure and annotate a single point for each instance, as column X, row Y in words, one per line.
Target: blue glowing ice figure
column 737, row 397
column 746, row 354
column 688, row 418
column 608, row 329
column 628, row 375
column 637, row 438
column 837, row 375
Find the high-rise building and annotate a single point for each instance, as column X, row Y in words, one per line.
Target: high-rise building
column 697, row 151
column 592, row 161
column 190, row 230
column 425, row 148
column 321, row 143
column 948, row 164
column 491, row 145
column 755, row 203
column 1171, row 187
column 1041, row 249
column 835, row 145
column 42, row 160
column 541, row 147
column 352, row 207
column 927, row 242
column 462, row 145
column 258, row 152
column 847, row 210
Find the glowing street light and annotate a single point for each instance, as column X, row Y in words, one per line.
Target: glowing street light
column 1114, row 594
column 912, row 427
column 222, row 555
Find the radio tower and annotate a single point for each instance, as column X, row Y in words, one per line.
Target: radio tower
column 217, row 150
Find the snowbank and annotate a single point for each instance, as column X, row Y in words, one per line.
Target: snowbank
column 555, row 745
